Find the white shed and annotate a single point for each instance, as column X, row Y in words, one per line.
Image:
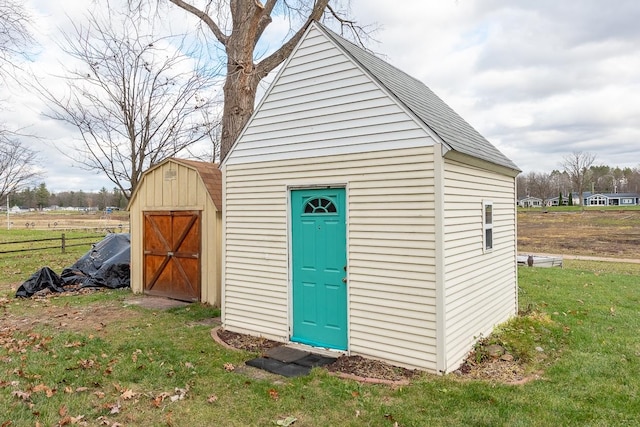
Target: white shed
column 176, row 228
column 362, row 214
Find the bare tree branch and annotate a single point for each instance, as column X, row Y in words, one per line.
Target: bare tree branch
column 17, row 165
column 15, row 35
column 265, row 66
column 248, row 21
column 204, row 17
column 136, row 99
column 577, row 165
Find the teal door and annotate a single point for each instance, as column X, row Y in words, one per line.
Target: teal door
column 319, row 263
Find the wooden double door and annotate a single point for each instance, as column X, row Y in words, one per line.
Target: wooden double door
column 172, row 258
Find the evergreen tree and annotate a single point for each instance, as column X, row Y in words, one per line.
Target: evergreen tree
column 42, row 196
column 570, row 199
column 560, row 199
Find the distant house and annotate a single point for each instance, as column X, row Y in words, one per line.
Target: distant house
column 555, row 201
column 610, row 199
column 362, row 214
column 530, row 202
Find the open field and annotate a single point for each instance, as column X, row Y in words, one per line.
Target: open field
column 67, row 220
column 602, row 233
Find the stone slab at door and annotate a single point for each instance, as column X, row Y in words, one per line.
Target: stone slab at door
column 172, row 244
column 319, row 264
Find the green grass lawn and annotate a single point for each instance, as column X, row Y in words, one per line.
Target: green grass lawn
column 162, row 368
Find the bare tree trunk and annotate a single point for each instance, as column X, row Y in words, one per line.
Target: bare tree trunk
column 577, row 165
column 249, row 20
column 242, row 80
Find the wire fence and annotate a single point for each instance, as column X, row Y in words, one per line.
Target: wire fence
column 44, row 243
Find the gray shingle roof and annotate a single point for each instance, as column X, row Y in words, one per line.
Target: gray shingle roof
column 416, row 96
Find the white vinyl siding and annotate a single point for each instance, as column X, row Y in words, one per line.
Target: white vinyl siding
column 322, row 104
column 391, row 246
column 479, row 285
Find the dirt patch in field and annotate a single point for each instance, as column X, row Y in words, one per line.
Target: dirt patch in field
column 590, row 232
column 86, row 318
column 116, row 221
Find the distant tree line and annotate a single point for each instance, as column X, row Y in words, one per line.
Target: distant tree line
column 40, row 198
column 579, row 175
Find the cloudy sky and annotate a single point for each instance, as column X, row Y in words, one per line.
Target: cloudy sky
column 539, row 79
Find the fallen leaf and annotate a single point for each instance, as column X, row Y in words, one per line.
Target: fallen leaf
column 188, row 365
column 181, row 394
column 80, row 389
column 38, row 388
column 287, row 421
column 62, row 411
column 103, row 421
column 212, row 399
column 99, row 394
column 73, row 344
column 76, row 420
column 273, row 394
column 86, row 363
column 127, row 394
column 114, row 408
column 229, row 367
column 21, row 394
column 66, row 420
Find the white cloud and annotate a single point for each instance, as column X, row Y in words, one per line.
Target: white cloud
column 539, row 79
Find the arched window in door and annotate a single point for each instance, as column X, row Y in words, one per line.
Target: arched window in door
column 320, row 205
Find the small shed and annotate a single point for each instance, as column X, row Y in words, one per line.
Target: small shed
column 362, row 214
column 176, row 222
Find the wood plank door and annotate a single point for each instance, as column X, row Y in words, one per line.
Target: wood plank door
column 172, row 242
column 319, row 264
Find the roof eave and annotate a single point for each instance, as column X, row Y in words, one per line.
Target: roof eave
column 481, row 163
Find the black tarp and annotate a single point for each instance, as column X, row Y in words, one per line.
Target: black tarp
column 107, row 264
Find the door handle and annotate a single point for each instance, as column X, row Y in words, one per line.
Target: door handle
column 344, row 280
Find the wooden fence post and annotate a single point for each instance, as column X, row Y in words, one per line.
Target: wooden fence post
column 64, row 245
